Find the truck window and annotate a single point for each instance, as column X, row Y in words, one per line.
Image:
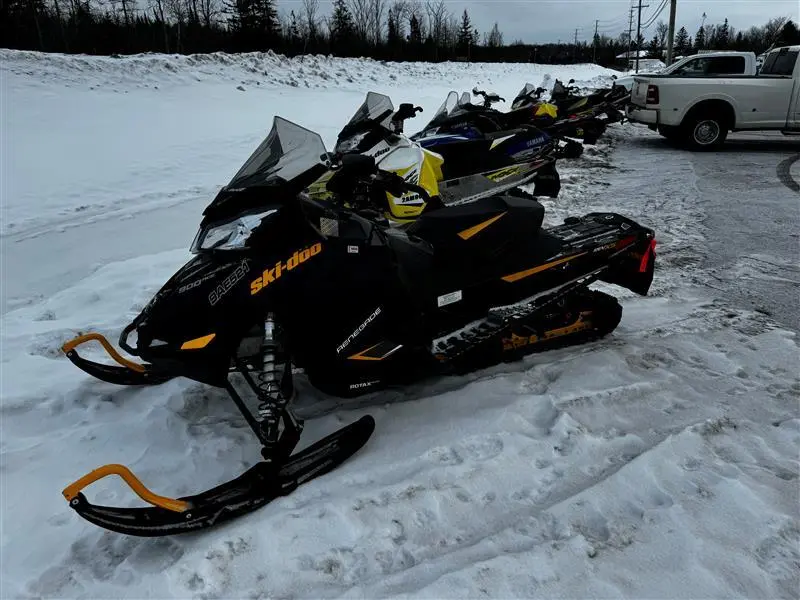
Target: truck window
column 779, row 63
column 712, row 65
column 725, row 65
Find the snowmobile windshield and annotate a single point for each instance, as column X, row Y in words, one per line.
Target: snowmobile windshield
column 288, row 151
column 375, row 113
column 527, row 91
column 377, row 109
column 526, row 94
column 444, row 110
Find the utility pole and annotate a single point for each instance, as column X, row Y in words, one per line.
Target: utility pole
column 639, row 32
column 594, row 42
column 630, row 36
column 671, row 33
column 575, row 50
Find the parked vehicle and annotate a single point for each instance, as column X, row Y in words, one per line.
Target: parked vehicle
column 700, row 110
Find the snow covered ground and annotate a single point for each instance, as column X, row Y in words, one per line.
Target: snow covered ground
column 659, row 462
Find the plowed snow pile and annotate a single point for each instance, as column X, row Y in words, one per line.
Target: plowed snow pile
column 659, row 462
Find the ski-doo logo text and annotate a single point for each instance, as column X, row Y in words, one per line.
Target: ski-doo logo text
column 227, row 283
column 296, row 259
column 361, row 327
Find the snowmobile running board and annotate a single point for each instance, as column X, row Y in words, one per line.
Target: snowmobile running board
column 128, row 373
column 256, row 487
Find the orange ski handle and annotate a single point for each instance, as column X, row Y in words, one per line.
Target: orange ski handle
column 74, row 343
column 73, row 489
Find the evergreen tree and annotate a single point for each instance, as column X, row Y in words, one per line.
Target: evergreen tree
column 700, row 39
column 681, row 43
column 789, row 35
column 415, row 30
column 464, row 33
column 654, row 49
column 394, row 31
column 294, row 29
column 494, row 39
column 723, row 35
column 342, row 29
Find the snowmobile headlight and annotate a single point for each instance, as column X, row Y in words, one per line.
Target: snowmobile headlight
column 351, row 143
column 230, row 235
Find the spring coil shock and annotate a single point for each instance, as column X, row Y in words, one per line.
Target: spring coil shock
column 271, row 400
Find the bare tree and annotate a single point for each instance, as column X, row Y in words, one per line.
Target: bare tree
column 209, row 9
column 773, row 29
column 401, row 10
column 437, row 20
column 311, row 22
column 178, row 10
column 662, row 29
column 361, row 18
column 377, row 9
column 158, row 8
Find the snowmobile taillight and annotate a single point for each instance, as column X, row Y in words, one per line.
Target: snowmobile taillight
column 652, row 94
column 626, row 241
column 72, row 490
column 651, row 250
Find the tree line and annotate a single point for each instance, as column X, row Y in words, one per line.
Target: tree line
column 382, row 29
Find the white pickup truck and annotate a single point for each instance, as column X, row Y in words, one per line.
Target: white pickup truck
column 701, row 110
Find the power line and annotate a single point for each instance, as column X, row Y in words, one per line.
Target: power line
column 652, row 19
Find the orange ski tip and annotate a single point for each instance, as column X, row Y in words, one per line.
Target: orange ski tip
column 72, row 490
column 69, row 346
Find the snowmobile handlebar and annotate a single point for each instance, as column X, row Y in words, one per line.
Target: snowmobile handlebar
column 488, row 98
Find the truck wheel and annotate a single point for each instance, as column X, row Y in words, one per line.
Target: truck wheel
column 705, row 132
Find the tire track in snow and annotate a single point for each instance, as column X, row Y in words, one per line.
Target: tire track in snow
column 784, row 172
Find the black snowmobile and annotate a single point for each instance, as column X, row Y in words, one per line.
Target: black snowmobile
column 460, row 113
column 605, row 101
column 280, row 280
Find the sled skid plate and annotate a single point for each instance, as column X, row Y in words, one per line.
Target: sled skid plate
column 254, row 488
column 128, row 373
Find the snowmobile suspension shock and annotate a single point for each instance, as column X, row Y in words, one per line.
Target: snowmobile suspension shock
column 272, row 402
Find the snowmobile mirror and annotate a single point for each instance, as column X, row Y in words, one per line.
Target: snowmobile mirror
column 570, row 81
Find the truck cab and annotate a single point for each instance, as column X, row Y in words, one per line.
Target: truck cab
column 703, row 64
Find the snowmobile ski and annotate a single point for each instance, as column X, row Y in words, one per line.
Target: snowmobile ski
column 127, row 373
column 256, row 487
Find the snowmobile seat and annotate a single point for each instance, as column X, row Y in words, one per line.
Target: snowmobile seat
column 481, row 233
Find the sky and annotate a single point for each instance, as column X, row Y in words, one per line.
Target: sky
column 540, row 21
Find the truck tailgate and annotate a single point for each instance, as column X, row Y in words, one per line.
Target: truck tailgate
column 639, row 91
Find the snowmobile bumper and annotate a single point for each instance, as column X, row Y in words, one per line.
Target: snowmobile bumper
column 127, row 373
column 256, row 487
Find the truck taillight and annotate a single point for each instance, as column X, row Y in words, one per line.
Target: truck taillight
column 652, row 94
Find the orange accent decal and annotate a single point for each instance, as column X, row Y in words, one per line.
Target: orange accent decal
column 72, row 344
column 71, row 491
column 475, row 229
column 198, row 343
column 360, row 355
column 528, row 272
